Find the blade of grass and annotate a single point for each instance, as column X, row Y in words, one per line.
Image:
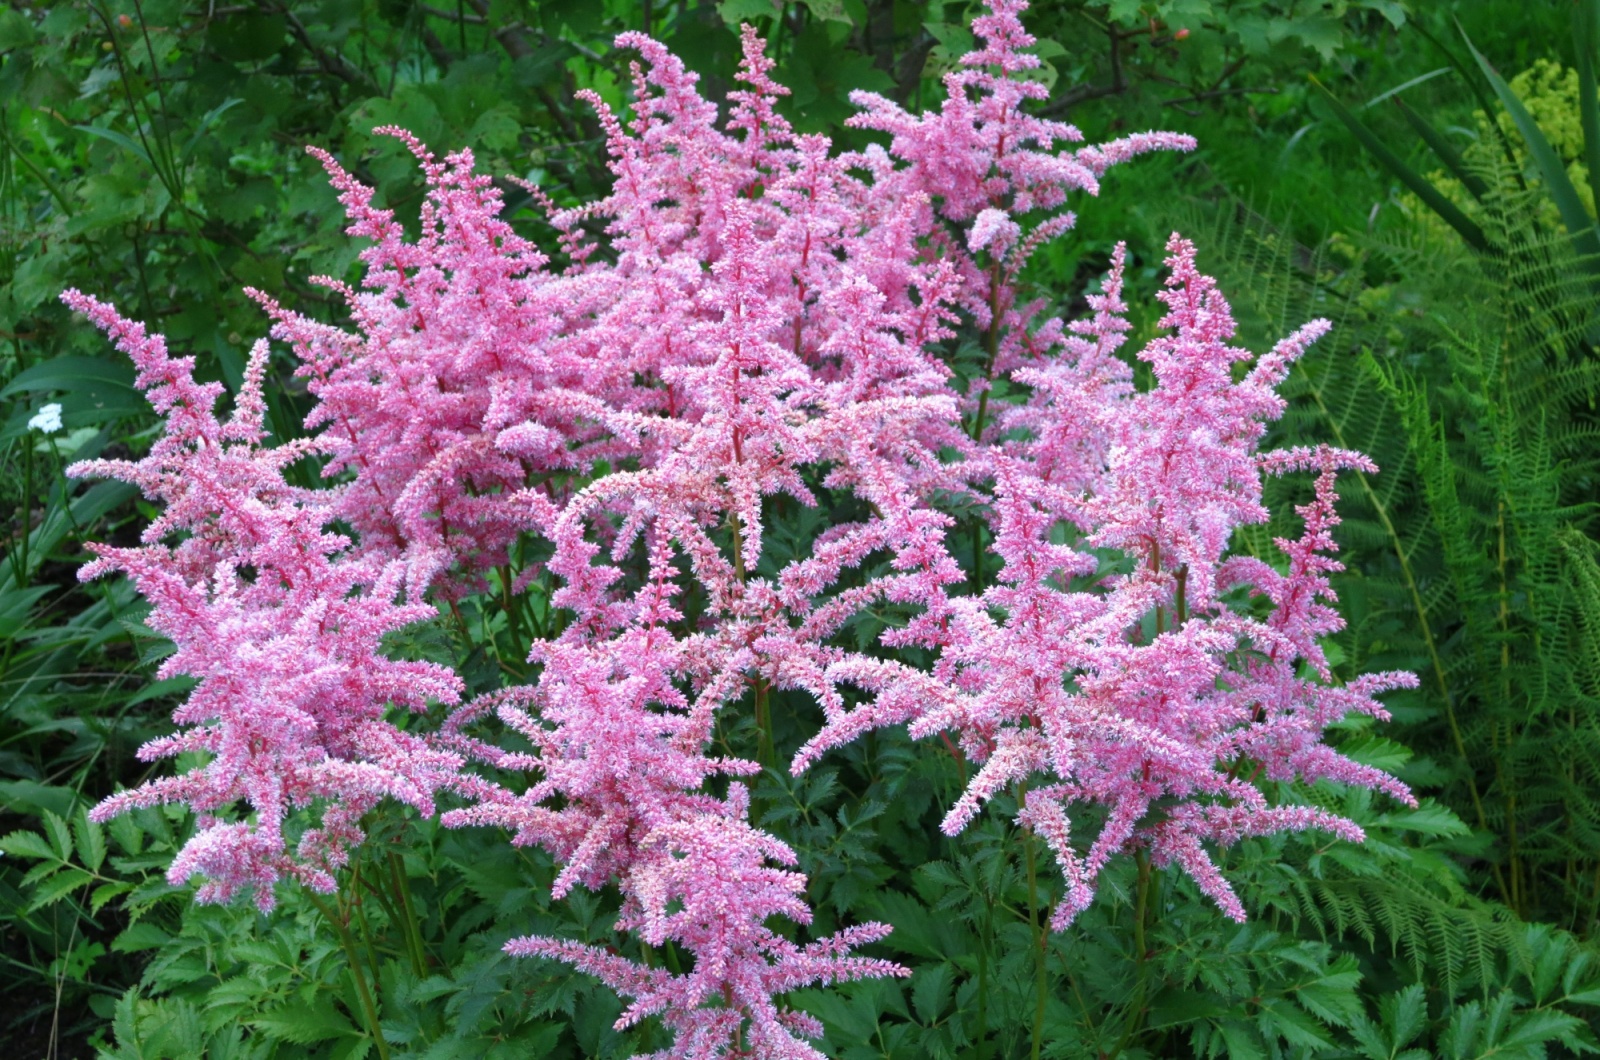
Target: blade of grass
column 1420, row 185
column 1586, row 20
column 1485, row 99
column 1445, row 150
column 1413, row 83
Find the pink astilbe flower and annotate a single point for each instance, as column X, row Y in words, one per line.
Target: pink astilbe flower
column 982, row 163
column 280, row 625
column 749, row 323
column 620, row 754
column 708, row 884
column 1134, row 686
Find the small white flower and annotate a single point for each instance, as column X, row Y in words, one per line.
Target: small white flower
column 47, row 420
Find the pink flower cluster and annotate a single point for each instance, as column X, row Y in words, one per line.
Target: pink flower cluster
column 281, row 623
column 762, row 324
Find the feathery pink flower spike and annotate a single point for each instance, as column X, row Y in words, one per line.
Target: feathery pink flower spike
column 281, row 626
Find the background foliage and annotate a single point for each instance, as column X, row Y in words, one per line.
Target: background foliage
column 151, row 152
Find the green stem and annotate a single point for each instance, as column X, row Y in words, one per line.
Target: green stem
column 363, row 994
column 27, row 510
column 419, row 962
column 361, row 918
column 991, row 347
column 983, row 978
column 767, row 749
column 1038, row 921
column 1141, row 913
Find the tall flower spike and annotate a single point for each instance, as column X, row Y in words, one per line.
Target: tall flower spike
column 1141, row 692
column 281, row 626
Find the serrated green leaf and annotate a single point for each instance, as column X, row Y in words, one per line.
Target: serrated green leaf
column 305, row 1024
column 127, row 834
column 1332, row 999
column 28, row 845
column 105, row 893
column 141, row 935
column 931, row 992
column 91, row 842
column 1242, row 1040
column 60, row 835
column 57, row 887
column 1539, row 1027
column 358, row 1048
column 1293, row 1025
column 1429, row 819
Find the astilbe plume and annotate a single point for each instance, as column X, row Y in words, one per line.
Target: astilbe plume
column 759, row 326
column 1110, row 671
column 280, row 624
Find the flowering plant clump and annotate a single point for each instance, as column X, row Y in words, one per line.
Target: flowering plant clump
column 762, row 324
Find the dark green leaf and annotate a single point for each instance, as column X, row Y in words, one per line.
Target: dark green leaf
column 1424, row 190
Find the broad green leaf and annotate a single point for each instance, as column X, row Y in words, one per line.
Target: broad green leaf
column 1393, row 10
column 828, row 10
column 16, row 608
column 69, row 373
column 1324, row 33
column 15, row 30
column 31, row 798
column 122, row 140
column 734, row 12
column 94, row 390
